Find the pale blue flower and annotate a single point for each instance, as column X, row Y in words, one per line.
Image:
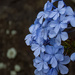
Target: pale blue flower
column 54, row 54
column 37, row 49
column 48, row 6
column 63, row 69
column 36, row 72
column 58, row 24
column 52, row 71
column 73, row 57
column 71, row 15
column 39, row 63
column 58, row 11
column 62, row 36
column 28, row 39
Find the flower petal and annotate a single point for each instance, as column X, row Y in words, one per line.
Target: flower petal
column 37, row 52
column 59, row 57
column 53, row 62
column 63, row 69
column 64, row 36
column 72, row 57
column 66, row 60
column 60, row 4
column 69, row 11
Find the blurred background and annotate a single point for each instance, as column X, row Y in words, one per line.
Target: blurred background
column 16, row 16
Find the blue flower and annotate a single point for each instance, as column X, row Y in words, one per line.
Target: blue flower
column 33, row 28
column 28, row 39
column 72, row 57
column 48, row 6
column 36, row 72
column 54, row 54
column 63, row 69
column 37, row 49
column 40, row 64
column 58, row 24
column 71, row 15
column 52, row 71
column 61, row 36
column 58, row 11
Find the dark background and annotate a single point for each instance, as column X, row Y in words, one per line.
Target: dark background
column 19, row 15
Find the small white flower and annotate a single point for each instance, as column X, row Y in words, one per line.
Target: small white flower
column 13, row 73
column 13, row 32
column 2, row 66
column 17, row 68
column 11, row 53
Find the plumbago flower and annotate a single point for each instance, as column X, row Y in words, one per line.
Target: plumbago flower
column 46, row 35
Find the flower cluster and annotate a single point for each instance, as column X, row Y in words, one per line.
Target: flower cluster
column 45, row 38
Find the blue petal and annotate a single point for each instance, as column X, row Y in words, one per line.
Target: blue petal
column 52, row 34
column 60, row 4
column 62, row 11
column 53, row 62
column 69, row 11
column 45, row 65
column 41, row 20
column 49, row 49
column 59, row 57
column 47, row 57
column 72, row 21
column 58, row 39
column 63, row 25
column 34, row 47
column 37, row 60
column 64, row 36
column 39, row 66
column 52, row 71
column 37, row 52
column 42, row 48
column 63, row 69
column 28, row 39
column 73, row 57
column 56, row 16
column 40, row 14
column 66, row 60
column 31, row 28
column 52, row 14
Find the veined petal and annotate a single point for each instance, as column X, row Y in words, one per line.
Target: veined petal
column 62, row 11
column 64, row 36
column 53, row 62
column 59, row 57
column 63, row 69
column 66, row 60
column 72, row 57
column 39, row 66
column 37, row 60
column 72, row 21
column 63, row 25
column 37, row 52
column 52, row 14
column 47, row 57
column 56, row 16
column 60, row 4
column 49, row 49
column 40, row 14
column 57, row 28
column 41, row 20
column 58, row 39
column 34, row 47
column 45, row 65
column 42, row 48
column 69, row 11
